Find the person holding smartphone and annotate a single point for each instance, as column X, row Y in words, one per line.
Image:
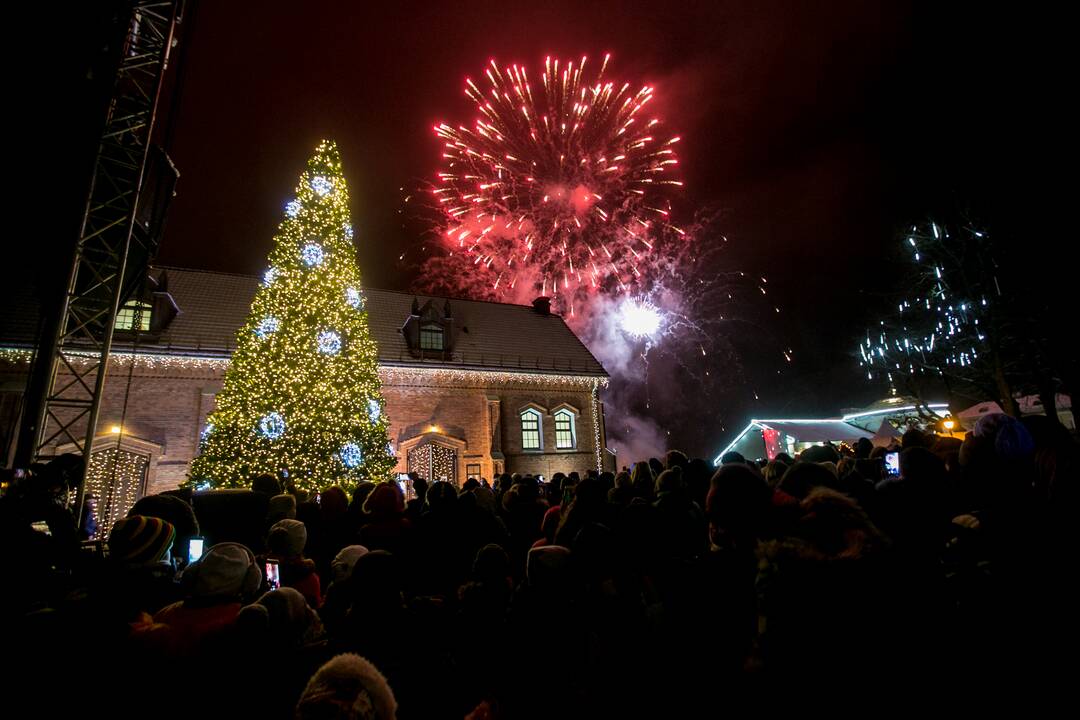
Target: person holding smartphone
column 195, row 549
column 285, row 562
column 214, row 588
column 892, row 464
column 272, row 571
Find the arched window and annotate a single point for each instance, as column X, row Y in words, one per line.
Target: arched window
column 565, row 432
column 531, row 430
column 134, row 315
column 431, row 336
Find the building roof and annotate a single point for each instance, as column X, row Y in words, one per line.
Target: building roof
column 804, row 430
column 817, row 430
column 213, row 306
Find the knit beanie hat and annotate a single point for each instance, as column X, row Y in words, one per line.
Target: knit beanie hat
column 344, row 562
column 347, row 687
column 283, row 616
column 1013, row 441
column 140, row 540
column 485, row 498
column 226, row 570
column 287, row 538
column 547, row 567
column 281, row 507
column 670, row 480
column 1007, row 435
column 171, row 509
column 386, row 499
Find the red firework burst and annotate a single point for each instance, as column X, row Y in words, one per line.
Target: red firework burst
column 560, row 189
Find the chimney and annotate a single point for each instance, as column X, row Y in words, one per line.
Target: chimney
column 542, row 305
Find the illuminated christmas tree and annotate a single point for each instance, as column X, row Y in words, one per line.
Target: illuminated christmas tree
column 301, row 398
column 953, row 326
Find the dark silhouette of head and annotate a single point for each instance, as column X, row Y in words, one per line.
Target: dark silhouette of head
column 266, row 485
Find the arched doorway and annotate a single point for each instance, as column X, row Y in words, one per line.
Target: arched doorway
column 432, row 461
column 434, row 456
column 116, row 479
column 120, row 470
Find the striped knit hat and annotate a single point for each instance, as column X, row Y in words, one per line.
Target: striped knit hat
column 140, row 540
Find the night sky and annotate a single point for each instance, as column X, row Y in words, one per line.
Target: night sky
column 817, row 129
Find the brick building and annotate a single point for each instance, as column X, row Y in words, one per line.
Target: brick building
column 472, row 388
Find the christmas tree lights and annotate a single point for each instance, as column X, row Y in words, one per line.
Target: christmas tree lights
column 939, row 327
column 301, row 398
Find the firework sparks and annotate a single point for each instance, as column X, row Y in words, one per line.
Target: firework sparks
column 561, row 184
column 639, row 319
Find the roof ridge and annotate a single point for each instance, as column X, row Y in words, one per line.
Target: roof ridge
column 203, row 271
column 367, row 288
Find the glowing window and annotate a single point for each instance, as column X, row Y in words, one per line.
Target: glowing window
column 565, row 435
column 530, row 430
column 134, row 315
column 431, row 337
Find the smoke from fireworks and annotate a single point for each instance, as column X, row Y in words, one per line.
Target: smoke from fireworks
column 557, row 189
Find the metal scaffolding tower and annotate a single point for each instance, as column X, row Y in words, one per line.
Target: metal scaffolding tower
column 128, row 193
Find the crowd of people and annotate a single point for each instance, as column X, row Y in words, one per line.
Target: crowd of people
column 671, row 588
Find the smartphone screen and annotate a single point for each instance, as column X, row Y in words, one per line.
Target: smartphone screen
column 195, row 549
column 892, row 463
column 273, row 579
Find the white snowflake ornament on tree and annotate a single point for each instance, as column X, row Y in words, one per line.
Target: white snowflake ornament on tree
column 272, row 426
column 329, row 342
column 312, row 254
column 351, row 455
column 321, row 186
column 353, row 298
column 267, row 327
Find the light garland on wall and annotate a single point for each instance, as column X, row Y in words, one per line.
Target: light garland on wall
column 594, row 396
column 396, row 375
column 389, row 374
column 141, row 359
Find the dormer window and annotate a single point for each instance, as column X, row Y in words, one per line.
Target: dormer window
column 431, row 337
column 429, row 333
column 134, row 315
